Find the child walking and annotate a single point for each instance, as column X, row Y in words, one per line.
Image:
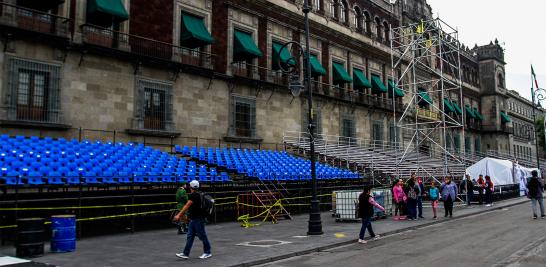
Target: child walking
column 434, row 194
column 365, row 211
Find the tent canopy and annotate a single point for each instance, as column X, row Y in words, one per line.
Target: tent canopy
column 499, row 170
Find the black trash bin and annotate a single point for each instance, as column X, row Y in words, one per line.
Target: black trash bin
column 30, row 237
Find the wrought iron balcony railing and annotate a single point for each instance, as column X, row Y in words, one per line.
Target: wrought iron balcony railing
column 33, row 20
column 141, row 46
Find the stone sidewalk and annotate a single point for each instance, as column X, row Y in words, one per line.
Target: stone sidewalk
column 233, row 245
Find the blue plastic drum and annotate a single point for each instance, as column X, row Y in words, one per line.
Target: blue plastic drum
column 63, row 233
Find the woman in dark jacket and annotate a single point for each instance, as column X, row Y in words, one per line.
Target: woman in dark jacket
column 488, row 186
column 413, row 190
column 365, row 211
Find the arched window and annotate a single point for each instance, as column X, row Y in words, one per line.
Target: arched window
column 501, row 80
column 378, row 28
column 333, row 8
column 386, row 31
column 367, row 22
column 358, row 19
column 343, row 12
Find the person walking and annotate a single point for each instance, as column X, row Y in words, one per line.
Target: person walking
column 489, row 189
column 467, row 187
column 434, row 195
column 535, row 189
column 400, row 199
column 481, row 185
column 412, row 189
column 449, row 195
column 196, row 223
column 366, row 203
column 181, row 200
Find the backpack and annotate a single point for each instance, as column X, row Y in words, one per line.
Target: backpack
column 207, row 204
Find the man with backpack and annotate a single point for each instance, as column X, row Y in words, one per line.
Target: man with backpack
column 198, row 206
column 534, row 192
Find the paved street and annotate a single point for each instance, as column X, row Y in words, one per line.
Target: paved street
column 506, row 237
column 236, row 246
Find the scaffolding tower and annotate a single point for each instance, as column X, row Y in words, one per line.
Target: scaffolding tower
column 426, row 65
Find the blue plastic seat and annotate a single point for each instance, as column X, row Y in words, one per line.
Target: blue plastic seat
column 55, row 178
column 34, row 178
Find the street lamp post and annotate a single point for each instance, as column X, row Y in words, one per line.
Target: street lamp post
column 539, row 95
column 315, row 222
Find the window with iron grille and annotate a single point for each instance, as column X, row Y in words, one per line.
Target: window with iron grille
column 394, row 135
column 243, row 117
column 33, row 91
column 377, row 131
column 348, row 127
column 154, row 106
column 477, row 144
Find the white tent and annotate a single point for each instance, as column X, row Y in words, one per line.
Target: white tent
column 500, row 171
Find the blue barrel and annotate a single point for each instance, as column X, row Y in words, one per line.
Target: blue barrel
column 63, row 233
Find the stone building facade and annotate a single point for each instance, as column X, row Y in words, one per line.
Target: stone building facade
column 171, row 69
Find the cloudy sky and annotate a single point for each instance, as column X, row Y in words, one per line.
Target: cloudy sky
column 519, row 25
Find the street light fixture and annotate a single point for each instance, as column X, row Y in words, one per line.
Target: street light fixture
column 539, row 94
column 295, row 86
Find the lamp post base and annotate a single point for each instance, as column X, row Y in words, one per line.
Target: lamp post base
column 315, row 222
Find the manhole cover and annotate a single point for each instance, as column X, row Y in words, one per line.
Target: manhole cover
column 264, row 243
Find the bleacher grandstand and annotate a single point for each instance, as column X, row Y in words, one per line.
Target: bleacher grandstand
column 35, row 161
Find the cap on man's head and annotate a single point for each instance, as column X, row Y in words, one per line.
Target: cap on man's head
column 194, row 184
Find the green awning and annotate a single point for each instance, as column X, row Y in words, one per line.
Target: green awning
column 397, row 91
column 360, row 80
column 424, row 98
column 447, row 106
column 469, row 112
column 244, row 47
column 284, row 56
column 457, row 108
column 340, row 75
column 504, row 117
column 478, row 115
column 377, row 85
column 194, row 33
column 316, row 68
column 113, row 8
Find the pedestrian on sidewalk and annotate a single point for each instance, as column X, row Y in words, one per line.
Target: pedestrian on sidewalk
column 481, row 185
column 489, row 189
column 181, row 200
column 400, row 199
column 412, row 190
column 366, row 203
column 196, row 216
column 535, row 189
column 420, row 194
column 434, row 195
column 467, row 188
column 449, row 195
